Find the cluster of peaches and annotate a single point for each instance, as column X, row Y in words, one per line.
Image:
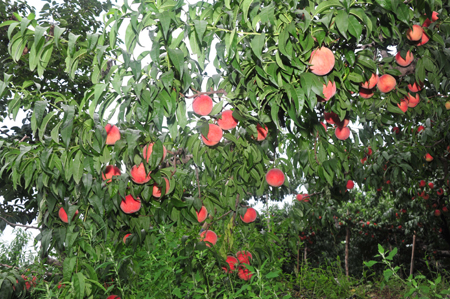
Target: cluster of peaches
column 387, row 83
column 203, row 105
column 322, row 62
column 243, row 258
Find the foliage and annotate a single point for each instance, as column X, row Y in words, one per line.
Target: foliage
column 73, row 76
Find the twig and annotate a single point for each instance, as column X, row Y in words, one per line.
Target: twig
column 23, row 138
column 315, row 148
column 21, row 225
column 215, row 220
column 235, row 208
column 198, row 93
column 198, row 182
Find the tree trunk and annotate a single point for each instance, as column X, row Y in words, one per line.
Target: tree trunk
column 347, row 240
column 411, row 269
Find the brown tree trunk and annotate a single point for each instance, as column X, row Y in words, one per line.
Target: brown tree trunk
column 411, row 269
column 347, row 240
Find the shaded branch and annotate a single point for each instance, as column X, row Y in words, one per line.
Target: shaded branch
column 20, row 225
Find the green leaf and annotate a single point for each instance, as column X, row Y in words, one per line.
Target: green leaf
column 181, row 115
column 370, row 263
column 217, row 108
column 79, row 285
column 99, row 90
column 342, row 22
column 386, row 4
column 257, row 44
column 326, row 5
column 354, row 27
column 58, row 31
column 39, row 110
column 245, row 6
column 402, row 12
column 68, row 265
column 72, row 41
column 200, row 28
column 39, row 33
column 67, row 126
column 177, row 58
column 44, row 124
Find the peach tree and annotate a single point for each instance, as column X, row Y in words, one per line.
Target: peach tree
column 303, row 93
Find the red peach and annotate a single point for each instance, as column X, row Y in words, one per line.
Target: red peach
column 113, row 297
column 386, row 83
column 262, row 132
column 110, row 171
column 215, row 133
column 209, row 236
column 331, row 117
column 302, row 197
column 157, row 190
column 371, row 82
column 139, row 175
column 130, row 205
column 415, row 87
column 329, row 90
column 125, row 238
column 431, row 185
column 396, row 130
column 437, row 213
column 202, row 214
column 422, row 183
column 244, row 257
column 112, row 134
column 227, row 122
column 412, row 101
column 275, row 177
column 342, row 133
column 202, row 105
column 403, row 105
column 420, row 129
column 249, row 216
column 409, row 57
column 322, row 61
column 434, row 18
column 425, row 39
column 232, row 262
column 148, row 150
column 244, row 273
column 428, row 158
column 414, row 33
column 350, row 184
column 63, row 215
column 440, row 191
column 365, row 93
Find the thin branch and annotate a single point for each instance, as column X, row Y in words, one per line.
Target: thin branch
column 23, row 138
column 21, row 225
column 198, row 182
column 222, row 91
column 315, row 148
column 221, row 216
column 235, row 208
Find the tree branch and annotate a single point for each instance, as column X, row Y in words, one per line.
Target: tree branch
column 20, row 225
column 198, row 93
